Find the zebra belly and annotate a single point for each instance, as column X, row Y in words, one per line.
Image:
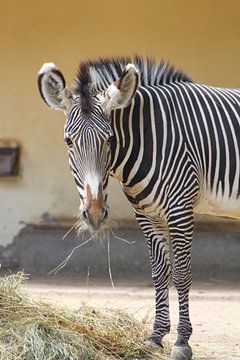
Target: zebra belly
column 218, row 206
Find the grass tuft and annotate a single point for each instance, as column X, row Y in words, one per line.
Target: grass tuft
column 38, row 330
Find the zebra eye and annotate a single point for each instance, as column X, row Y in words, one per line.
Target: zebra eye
column 69, row 141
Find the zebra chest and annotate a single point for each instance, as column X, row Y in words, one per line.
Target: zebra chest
column 144, row 200
column 207, row 203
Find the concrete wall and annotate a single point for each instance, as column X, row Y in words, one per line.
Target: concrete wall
column 40, row 249
column 201, row 37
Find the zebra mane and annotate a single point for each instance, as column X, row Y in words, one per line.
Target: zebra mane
column 95, row 76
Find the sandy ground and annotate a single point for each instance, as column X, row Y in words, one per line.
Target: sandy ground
column 215, row 310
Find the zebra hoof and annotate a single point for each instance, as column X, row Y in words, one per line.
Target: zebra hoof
column 154, row 341
column 181, row 353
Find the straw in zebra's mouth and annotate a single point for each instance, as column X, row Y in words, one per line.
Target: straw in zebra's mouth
column 82, row 227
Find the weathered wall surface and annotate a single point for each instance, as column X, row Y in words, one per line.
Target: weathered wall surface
column 41, row 249
column 201, row 37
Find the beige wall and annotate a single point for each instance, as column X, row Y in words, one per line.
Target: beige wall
column 202, row 37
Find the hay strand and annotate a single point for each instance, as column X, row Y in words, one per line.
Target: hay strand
column 37, row 330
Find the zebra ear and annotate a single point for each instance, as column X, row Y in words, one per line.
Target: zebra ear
column 52, row 87
column 120, row 93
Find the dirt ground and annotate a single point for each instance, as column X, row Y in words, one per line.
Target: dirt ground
column 215, row 310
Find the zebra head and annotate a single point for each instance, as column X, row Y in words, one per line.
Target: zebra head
column 88, row 132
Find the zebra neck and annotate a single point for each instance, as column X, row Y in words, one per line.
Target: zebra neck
column 138, row 139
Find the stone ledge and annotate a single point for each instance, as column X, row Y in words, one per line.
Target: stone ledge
column 39, row 249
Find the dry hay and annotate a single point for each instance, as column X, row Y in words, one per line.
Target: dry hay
column 37, row 330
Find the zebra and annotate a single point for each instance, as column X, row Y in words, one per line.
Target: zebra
column 174, row 146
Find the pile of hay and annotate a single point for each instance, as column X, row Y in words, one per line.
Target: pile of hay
column 37, row 330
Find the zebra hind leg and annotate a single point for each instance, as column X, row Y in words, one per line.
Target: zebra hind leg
column 181, row 231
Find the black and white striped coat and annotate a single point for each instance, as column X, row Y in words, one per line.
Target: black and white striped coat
column 172, row 143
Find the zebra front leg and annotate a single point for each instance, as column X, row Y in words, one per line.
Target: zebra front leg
column 180, row 225
column 161, row 270
column 158, row 245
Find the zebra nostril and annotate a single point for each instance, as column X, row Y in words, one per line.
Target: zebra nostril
column 85, row 215
column 105, row 214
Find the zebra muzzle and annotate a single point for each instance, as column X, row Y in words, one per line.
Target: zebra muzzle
column 95, row 210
